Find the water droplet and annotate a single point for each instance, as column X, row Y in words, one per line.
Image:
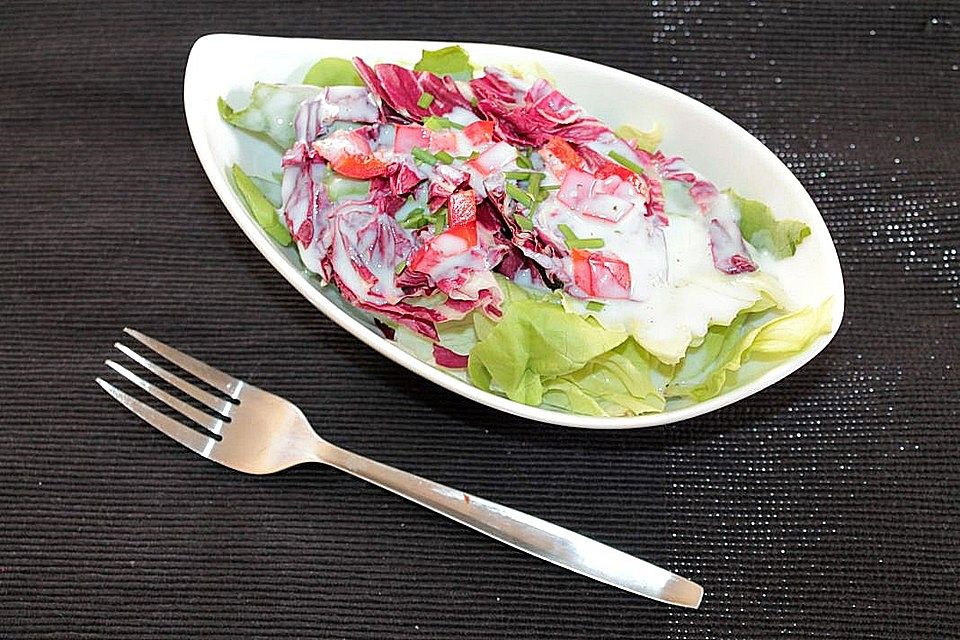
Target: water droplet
column 873, row 32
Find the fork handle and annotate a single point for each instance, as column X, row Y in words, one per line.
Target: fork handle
column 522, row 531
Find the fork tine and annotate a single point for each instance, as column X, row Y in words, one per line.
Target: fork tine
column 173, row 402
column 217, row 404
column 214, row 377
column 183, row 434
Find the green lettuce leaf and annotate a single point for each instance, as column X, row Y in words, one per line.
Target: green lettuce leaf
column 259, row 207
column 706, row 369
column 623, row 381
column 761, row 229
column 646, row 140
column 333, row 72
column 536, row 340
column 449, row 61
column 270, row 112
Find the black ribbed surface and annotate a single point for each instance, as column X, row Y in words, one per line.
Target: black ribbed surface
column 825, row 507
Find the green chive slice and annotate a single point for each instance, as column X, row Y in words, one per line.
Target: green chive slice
column 519, row 195
column 579, row 243
column 423, row 156
column 626, row 162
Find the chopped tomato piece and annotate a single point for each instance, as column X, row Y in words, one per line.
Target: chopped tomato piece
column 467, row 232
column 493, row 159
column 349, row 154
column 600, row 275
column 438, row 248
column 461, row 208
column 614, row 169
column 563, row 152
column 479, row 132
column 443, row 141
column 462, row 215
column 408, row 136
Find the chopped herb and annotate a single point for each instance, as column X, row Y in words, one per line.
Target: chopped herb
column 474, row 102
column 517, row 175
column 440, row 220
column 579, row 243
column 474, row 154
column 435, row 123
column 523, row 222
column 403, row 265
column 626, row 162
column 550, row 187
column 426, row 99
column 523, row 161
column 593, row 305
column 444, row 157
column 519, row 195
column 424, row 156
column 534, row 186
column 415, row 219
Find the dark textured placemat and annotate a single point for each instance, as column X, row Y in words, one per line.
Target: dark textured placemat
column 826, row 506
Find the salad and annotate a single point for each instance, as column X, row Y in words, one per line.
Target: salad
column 495, row 229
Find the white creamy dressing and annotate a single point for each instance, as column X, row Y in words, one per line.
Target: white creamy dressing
column 676, row 292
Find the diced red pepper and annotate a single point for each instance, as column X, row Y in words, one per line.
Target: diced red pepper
column 362, row 167
column 600, row 275
column 479, row 132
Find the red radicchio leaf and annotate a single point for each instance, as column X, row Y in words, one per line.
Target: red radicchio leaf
column 729, row 251
column 496, row 85
column 447, row 358
column 541, row 113
column 400, row 90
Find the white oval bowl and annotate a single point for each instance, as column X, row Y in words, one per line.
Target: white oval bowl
column 228, row 64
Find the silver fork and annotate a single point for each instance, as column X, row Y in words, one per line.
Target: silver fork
column 258, row 432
